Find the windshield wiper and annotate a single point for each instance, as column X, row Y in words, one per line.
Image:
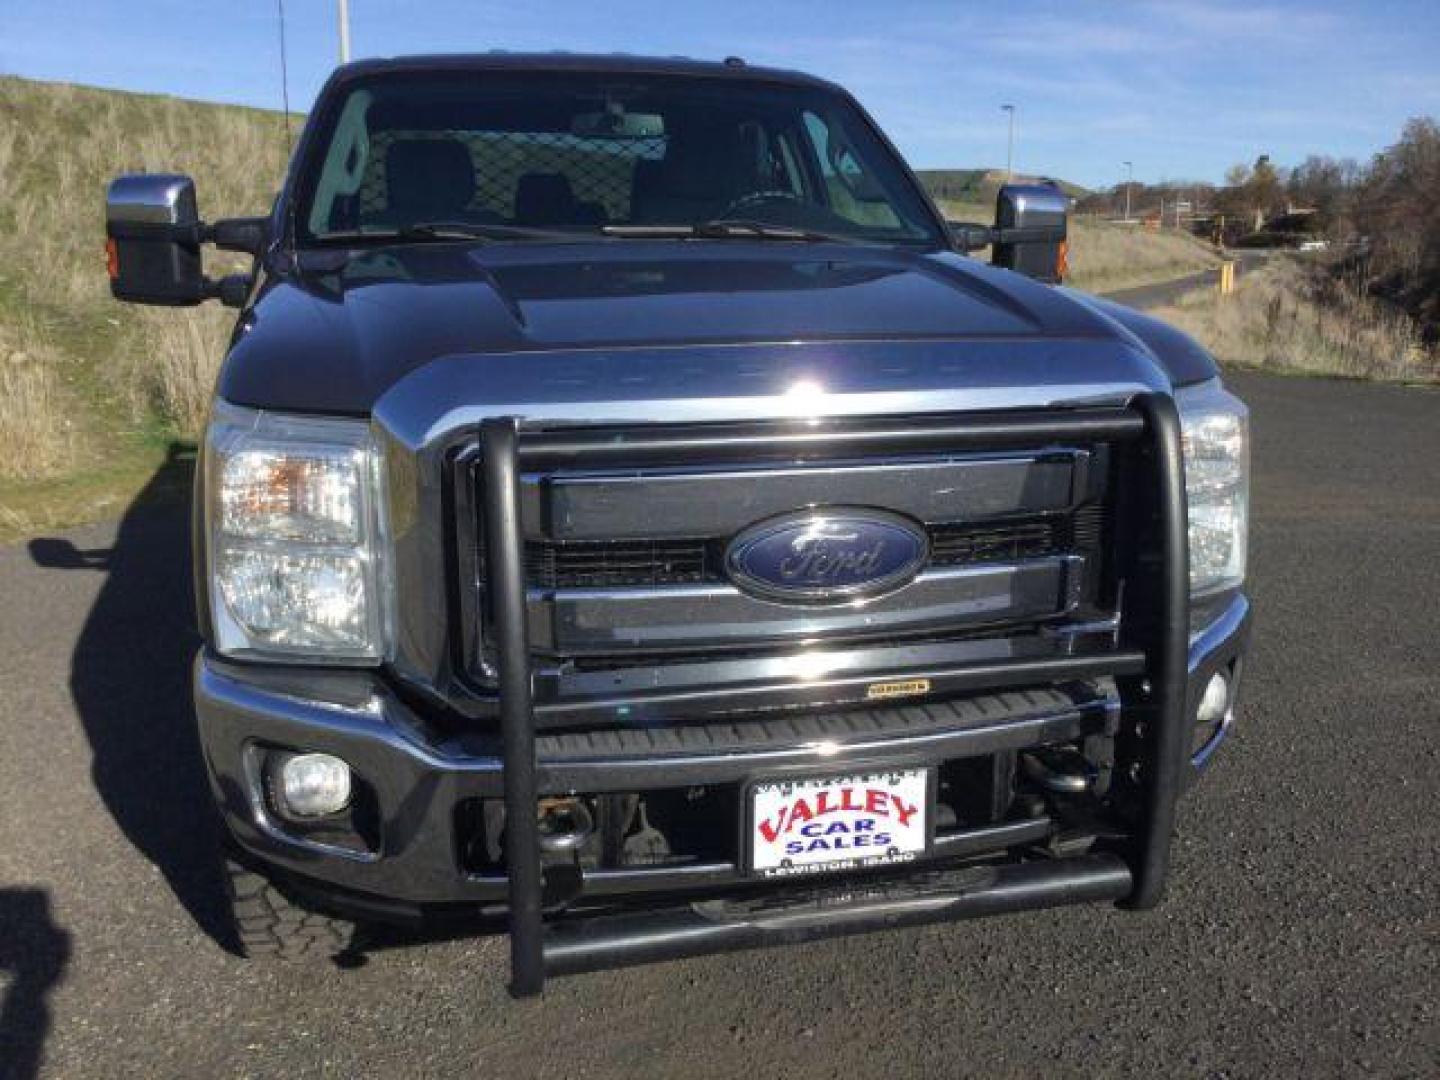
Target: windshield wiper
column 718, row 229
column 726, row 229
column 445, row 230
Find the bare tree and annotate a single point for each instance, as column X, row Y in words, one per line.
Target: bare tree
column 1398, row 209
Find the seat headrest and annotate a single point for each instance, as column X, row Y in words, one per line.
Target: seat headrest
column 429, row 177
column 710, row 163
column 544, row 199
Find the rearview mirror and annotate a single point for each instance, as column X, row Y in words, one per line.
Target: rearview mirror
column 616, row 124
column 1031, row 230
column 153, row 235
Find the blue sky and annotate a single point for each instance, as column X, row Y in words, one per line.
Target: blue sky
column 1182, row 89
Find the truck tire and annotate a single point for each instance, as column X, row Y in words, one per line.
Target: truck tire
column 270, row 925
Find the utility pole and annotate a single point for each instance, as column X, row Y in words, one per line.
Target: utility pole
column 1010, row 144
column 344, row 14
column 1129, row 182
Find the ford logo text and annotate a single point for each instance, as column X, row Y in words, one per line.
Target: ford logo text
column 827, row 556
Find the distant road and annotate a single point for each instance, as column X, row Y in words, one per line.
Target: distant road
column 1167, row 292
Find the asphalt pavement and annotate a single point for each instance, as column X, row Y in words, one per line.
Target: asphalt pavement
column 1300, row 936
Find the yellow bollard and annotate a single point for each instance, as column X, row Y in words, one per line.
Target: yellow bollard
column 1227, row 278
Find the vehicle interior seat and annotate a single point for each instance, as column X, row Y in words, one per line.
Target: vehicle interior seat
column 428, row 180
column 701, row 173
column 545, row 200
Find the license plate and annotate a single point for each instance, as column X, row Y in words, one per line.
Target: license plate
column 818, row 824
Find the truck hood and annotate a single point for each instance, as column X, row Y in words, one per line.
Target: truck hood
column 559, row 329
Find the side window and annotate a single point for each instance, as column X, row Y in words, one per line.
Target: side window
column 853, row 192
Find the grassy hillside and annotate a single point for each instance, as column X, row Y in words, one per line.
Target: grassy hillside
column 94, row 393
column 1105, row 256
column 979, row 186
column 91, row 391
column 1294, row 316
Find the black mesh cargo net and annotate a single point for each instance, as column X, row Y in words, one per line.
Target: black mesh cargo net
column 512, row 168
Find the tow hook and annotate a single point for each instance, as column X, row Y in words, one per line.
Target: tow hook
column 1062, row 770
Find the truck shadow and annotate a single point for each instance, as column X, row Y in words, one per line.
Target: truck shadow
column 130, row 680
column 33, row 955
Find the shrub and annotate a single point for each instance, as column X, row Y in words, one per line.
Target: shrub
column 1297, row 317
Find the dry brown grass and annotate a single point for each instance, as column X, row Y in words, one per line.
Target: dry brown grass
column 1105, row 257
column 125, row 369
column 1296, row 317
column 37, row 433
column 173, row 359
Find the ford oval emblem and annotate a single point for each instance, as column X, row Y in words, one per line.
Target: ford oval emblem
column 827, row 556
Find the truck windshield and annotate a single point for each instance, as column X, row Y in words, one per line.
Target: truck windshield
column 533, row 155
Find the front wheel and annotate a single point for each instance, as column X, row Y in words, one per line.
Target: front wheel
column 268, row 924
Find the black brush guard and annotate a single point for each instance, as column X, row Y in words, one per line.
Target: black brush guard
column 1151, row 748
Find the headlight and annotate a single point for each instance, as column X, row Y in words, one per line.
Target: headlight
column 1215, row 434
column 295, row 537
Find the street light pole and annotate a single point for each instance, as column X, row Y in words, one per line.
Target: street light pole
column 1010, row 144
column 344, row 16
column 1129, row 183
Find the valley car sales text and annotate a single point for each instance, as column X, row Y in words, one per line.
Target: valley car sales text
column 872, row 812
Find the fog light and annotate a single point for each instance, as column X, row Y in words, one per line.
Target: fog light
column 1215, row 702
column 312, row 785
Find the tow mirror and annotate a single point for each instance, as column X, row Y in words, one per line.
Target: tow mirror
column 152, row 231
column 1030, row 234
column 153, row 235
column 1032, row 222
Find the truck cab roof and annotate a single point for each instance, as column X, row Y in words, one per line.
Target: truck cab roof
column 569, row 209
column 732, row 68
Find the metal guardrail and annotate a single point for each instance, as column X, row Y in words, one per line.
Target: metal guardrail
column 1157, row 615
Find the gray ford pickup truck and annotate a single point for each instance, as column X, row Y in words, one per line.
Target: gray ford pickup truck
column 629, row 518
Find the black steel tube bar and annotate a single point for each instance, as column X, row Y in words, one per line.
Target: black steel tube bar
column 611, row 941
column 505, row 563
column 605, row 942
column 963, row 678
column 829, row 438
column 1165, row 746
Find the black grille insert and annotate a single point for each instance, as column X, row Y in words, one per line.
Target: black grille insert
column 601, row 564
